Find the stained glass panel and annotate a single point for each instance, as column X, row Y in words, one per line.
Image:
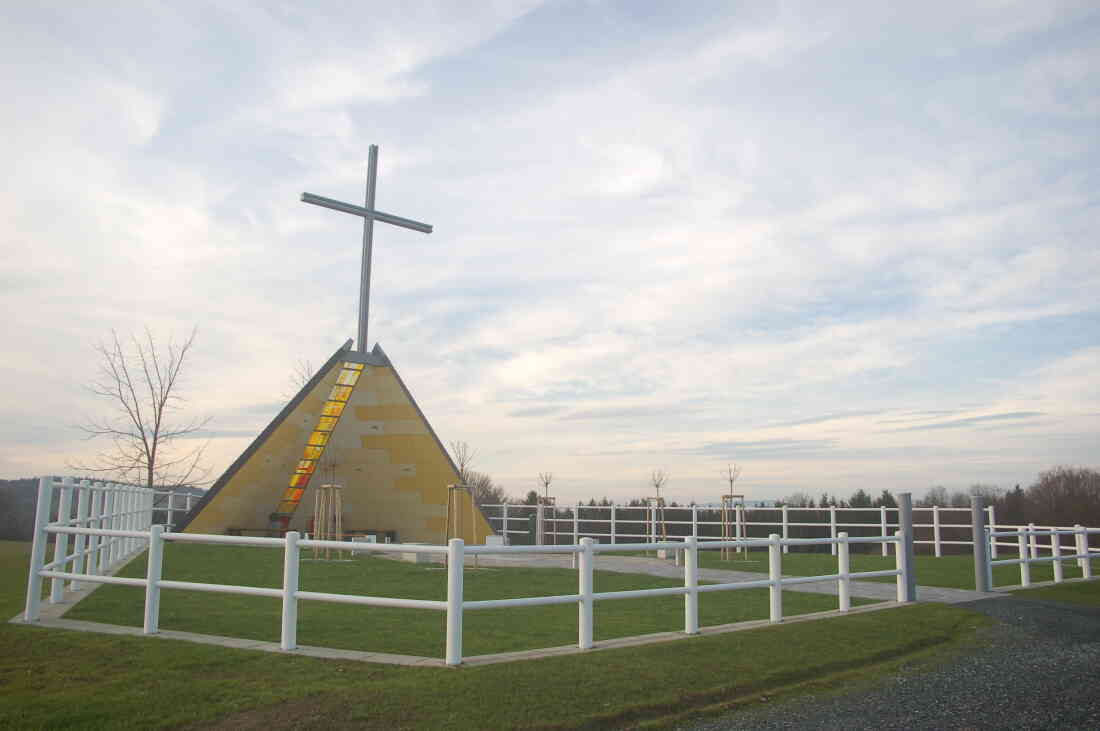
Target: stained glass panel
column 333, row 408
column 348, row 378
column 340, row 393
column 317, row 439
column 326, row 423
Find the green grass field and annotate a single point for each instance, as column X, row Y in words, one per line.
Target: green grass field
column 404, row 631
column 955, row 571
column 61, row 679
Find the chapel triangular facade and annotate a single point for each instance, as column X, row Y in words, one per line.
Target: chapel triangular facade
column 354, row 424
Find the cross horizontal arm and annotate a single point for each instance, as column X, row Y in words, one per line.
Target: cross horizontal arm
column 365, row 213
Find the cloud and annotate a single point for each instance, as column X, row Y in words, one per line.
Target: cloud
column 735, row 239
column 830, row 417
column 1015, row 416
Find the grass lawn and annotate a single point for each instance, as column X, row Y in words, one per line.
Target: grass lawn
column 953, row 571
column 404, row 631
column 56, row 678
column 1084, row 592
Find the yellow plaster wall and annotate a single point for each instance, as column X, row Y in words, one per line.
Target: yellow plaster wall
column 393, row 471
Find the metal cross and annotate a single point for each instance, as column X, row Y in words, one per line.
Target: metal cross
column 369, row 215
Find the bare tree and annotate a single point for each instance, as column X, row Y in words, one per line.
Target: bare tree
column 546, row 478
column 731, row 473
column 464, row 457
column 140, row 380
column 658, row 479
column 299, row 377
column 486, row 492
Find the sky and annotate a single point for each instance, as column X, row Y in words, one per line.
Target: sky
column 841, row 245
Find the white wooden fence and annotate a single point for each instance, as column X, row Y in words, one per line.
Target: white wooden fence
column 107, row 528
column 117, row 527
column 570, row 523
column 1030, row 545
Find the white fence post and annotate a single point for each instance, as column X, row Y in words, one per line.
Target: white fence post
column 152, row 579
column 61, row 540
column 1033, row 541
column 107, row 543
column 540, row 529
column 576, row 524
column 584, row 608
column 832, row 528
column 1025, row 557
column 1086, row 567
column 909, row 534
column 504, row 522
column 1056, row 551
column 148, row 510
column 38, row 549
column 901, row 562
column 691, row 582
column 775, row 575
column 128, row 521
column 982, row 567
column 936, row 531
column 613, row 524
column 786, row 530
column 844, row 584
column 80, row 542
column 455, row 562
column 289, row 634
column 694, row 521
column 1080, row 544
column 884, row 530
column 738, row 530
column 992, row 519
column 92, row 547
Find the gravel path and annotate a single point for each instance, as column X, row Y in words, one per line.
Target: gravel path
column 1038, row 668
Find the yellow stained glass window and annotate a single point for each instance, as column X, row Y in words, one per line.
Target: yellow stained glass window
column 319, row 437
column 348, row 378
column 292, row 494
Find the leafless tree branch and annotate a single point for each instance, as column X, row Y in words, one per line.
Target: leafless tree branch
column 140, row 380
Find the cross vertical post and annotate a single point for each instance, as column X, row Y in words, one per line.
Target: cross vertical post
column 369, row 215
column 368, row 245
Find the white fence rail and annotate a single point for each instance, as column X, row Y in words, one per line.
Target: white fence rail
column 107, row 522
column 121, row 516
column 120, row 533
column 173, row 504
column 1030, row 547
column 570, row 523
